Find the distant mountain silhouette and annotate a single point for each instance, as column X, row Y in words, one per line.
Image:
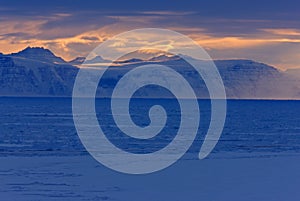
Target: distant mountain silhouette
column 133, row 60
column 38, row 72
column 162, row 58
column 95, row 60
column 144, row 54
column 77, row 61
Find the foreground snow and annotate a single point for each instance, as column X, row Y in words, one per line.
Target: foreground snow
column 82, row 178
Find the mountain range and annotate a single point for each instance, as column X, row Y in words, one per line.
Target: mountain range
column 36, row 71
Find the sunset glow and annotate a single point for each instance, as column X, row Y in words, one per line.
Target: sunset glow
column 71, row 32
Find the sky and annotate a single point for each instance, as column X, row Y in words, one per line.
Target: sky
column 265, row 31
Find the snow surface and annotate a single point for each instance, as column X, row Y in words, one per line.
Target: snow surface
column 82, row 178
column 257, row 157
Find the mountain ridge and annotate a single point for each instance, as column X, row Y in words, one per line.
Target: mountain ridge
column 45, row 74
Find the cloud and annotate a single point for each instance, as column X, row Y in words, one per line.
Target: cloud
column 227, row 29
column 91, row 38
column 167, row 13
column 283, row 32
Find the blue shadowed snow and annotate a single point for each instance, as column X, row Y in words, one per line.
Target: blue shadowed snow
column 42, row 158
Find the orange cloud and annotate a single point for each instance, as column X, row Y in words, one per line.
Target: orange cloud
column 284, row 32
column 16, row 35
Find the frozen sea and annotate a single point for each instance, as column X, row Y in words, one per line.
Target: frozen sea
column 257, row 157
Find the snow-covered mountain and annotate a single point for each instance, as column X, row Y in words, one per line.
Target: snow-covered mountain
column 250, row 79
column 95, row 60
column 38, row 54
column 242, row 79
column 144, row 54
column 162, row 58
column 35, row 72
column 38, row 72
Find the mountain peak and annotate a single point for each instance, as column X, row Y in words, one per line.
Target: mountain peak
column 133, row 60
column 97, row 59
column 38, row 53
column 163, row 57
column 144, row 54
column 77, row 61
column 35, row 50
